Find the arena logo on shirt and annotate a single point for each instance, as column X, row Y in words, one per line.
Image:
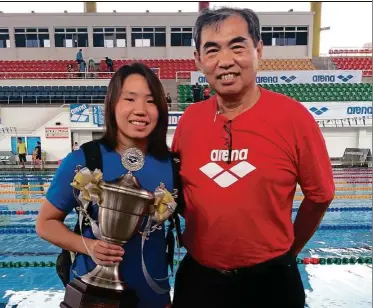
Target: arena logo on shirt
column 225, row 178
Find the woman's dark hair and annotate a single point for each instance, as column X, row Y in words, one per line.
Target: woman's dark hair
column 157, row 145
column 210, row 17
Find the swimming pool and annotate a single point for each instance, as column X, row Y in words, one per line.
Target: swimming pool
column 345, row 236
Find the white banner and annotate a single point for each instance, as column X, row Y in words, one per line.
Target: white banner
column 293, row 77
column 56, row 132
column 339, row 110
column 174, row 117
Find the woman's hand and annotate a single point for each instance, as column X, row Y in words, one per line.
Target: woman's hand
column 105, row 253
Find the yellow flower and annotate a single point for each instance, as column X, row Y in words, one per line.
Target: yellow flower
column 87, row 182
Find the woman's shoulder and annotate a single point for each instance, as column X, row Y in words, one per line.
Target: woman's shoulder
column 72, row 160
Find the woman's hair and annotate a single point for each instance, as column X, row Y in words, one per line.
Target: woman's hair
column 157, row 145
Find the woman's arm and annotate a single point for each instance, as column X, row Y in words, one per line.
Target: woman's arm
column 50, row 227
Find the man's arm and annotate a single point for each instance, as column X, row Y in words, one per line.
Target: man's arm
column 315, row 177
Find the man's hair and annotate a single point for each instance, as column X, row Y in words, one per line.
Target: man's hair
column 209, row 17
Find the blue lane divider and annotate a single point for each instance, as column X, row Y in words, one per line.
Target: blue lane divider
column 31, row 229
column 332, row 209
column 345, row 209
column 14, row 213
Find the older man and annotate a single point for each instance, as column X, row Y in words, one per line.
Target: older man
column 242, row 154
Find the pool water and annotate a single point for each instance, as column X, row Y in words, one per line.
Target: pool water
column 327, row 286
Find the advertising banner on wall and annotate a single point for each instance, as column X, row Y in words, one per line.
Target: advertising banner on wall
column 98, row 115
column 339, row 110
column 174, row 117
column 79, row 113
column 293, row 77
column 56, row 132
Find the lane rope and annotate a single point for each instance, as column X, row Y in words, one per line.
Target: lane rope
column 330, row 209
column 23, row 229
column 307, row 261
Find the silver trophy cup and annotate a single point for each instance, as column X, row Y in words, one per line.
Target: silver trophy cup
column 121, row 213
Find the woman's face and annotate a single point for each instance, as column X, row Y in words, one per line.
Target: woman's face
column 135, row 112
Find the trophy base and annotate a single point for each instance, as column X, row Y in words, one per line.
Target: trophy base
column 82, row 295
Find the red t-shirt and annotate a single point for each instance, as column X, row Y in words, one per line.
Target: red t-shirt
column 239, row 214
column 206, row 92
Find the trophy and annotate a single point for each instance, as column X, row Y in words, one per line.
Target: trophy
column 123, row 209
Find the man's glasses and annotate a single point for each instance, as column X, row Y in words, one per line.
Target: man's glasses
column 228, row 140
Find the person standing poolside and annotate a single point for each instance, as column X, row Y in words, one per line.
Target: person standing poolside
column 242, row 153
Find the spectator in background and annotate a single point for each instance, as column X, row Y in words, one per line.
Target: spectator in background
column 75, row 146
column 70, row 69
column 79, row 56
column 169, row 101
column 22, row 152
column 36, row 155
column 82, row 68
column 110, row 64
column 91, row 68
column 196, row 92
column 206, row 92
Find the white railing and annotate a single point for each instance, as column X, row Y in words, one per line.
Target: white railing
column 63, row 75
column 45, row 99
column 55, row 75
column 350, row 51
column 182, row 75
column 348, row 122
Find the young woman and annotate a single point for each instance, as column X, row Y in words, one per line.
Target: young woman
column 136, row 116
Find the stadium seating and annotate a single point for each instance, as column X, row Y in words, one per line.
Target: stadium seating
column 354, row 63
column 52, row 94
column 302, row 92
column 35, row 69
column 353, row 59
column 95, row 94
column 286, row 64
column 167, row 68
column 350, row 51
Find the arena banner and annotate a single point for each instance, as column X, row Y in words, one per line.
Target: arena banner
column 339, row 110
column 294, row 77
column 174, row 117
column 79, row 113
column 98, row 115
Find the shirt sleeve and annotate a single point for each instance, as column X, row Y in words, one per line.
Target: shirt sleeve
column 176, row 141
column 315, row 175
column 60, row 193
column 175, row 147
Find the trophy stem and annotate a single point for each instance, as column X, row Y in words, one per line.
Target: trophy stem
column 105, row 277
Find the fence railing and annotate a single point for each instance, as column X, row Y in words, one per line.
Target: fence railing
column 182, row 75
column 55, row 75
column 63, row 75
column 348, row 51
column 44, row 99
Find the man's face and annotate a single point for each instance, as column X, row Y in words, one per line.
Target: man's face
column 228, row 57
